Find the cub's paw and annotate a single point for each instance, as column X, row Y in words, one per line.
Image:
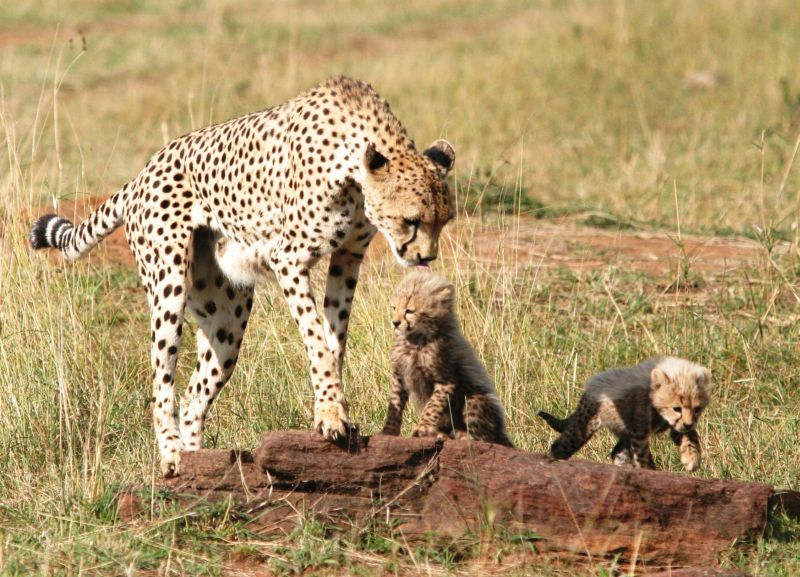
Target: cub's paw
column 623, row 458
column 331, row 421
column 690, row 459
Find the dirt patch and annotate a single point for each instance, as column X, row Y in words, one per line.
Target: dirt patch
column 526, row 241
column 583, row 248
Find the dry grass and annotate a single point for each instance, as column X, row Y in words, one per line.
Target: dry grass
column 676, row 115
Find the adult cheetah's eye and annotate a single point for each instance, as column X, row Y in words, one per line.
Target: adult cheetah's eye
column 409, row 311
column 411, row 221
column 677, row 409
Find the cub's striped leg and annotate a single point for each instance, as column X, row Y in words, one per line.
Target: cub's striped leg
column 436, row 409
column 689, row 447
column 397, row 404
column 622, row 453
column 578, row 429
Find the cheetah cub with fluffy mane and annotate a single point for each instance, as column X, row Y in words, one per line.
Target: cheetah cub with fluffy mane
column 634, row 402
column 434, row 363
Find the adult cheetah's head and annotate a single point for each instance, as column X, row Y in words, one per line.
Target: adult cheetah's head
column 407, row 198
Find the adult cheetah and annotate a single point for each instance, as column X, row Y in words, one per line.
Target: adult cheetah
column 272, row 192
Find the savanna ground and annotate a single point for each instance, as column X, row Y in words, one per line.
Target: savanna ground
column 626, row 182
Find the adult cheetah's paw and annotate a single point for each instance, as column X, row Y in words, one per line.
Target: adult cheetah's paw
column 426, row 431
column 171, row 457
column 331, row 421
column 690, row 459
column 170, row 465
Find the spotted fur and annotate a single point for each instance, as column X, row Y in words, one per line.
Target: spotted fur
column 657, row 395
column 434, row 364
column 271, row 193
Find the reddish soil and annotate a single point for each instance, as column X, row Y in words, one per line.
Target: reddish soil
column 583, row 248
column 530, row 242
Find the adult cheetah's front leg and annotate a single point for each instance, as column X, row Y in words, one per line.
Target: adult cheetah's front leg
column 339, row 290
column 330, row 407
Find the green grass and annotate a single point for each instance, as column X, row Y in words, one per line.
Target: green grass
column 555, row 108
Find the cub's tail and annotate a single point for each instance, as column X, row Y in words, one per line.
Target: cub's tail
column 52, row 231
column 503, row 439
column 556, row 423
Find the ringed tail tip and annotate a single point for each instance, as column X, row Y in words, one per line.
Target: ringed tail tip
column 47, row 230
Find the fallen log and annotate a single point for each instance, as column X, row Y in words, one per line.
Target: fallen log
column 657, row 518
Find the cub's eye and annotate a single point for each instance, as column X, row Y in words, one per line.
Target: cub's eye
column 677, row 409
column 412, row 221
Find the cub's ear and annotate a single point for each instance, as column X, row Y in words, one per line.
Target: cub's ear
column 658, row 378
column 446, row 294
column 375, row 162
column 440, row 290
column 704, row 377
column 441, row 153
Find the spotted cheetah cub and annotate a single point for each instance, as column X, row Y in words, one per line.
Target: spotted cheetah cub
column 634, row 402
column 434, row 363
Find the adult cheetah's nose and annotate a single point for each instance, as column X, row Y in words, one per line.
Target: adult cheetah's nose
column 395, row 323
column 424, row 260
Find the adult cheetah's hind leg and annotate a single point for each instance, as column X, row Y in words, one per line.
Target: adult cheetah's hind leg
column 166, row 293
column 222, row 311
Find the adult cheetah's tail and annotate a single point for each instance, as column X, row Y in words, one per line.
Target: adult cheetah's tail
column 556, row 423
column 54, row 231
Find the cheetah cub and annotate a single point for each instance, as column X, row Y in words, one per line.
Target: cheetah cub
column 434, row 363
column 634, row 402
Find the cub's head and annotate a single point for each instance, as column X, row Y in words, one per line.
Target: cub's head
column 679, row 392
column 407, row 198
column 421, row 302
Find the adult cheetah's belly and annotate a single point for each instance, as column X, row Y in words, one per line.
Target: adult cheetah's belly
column 245, row 265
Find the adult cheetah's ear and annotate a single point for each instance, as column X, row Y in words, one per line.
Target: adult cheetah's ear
column 658, row 378
column 375, row 161
column 441, row 152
